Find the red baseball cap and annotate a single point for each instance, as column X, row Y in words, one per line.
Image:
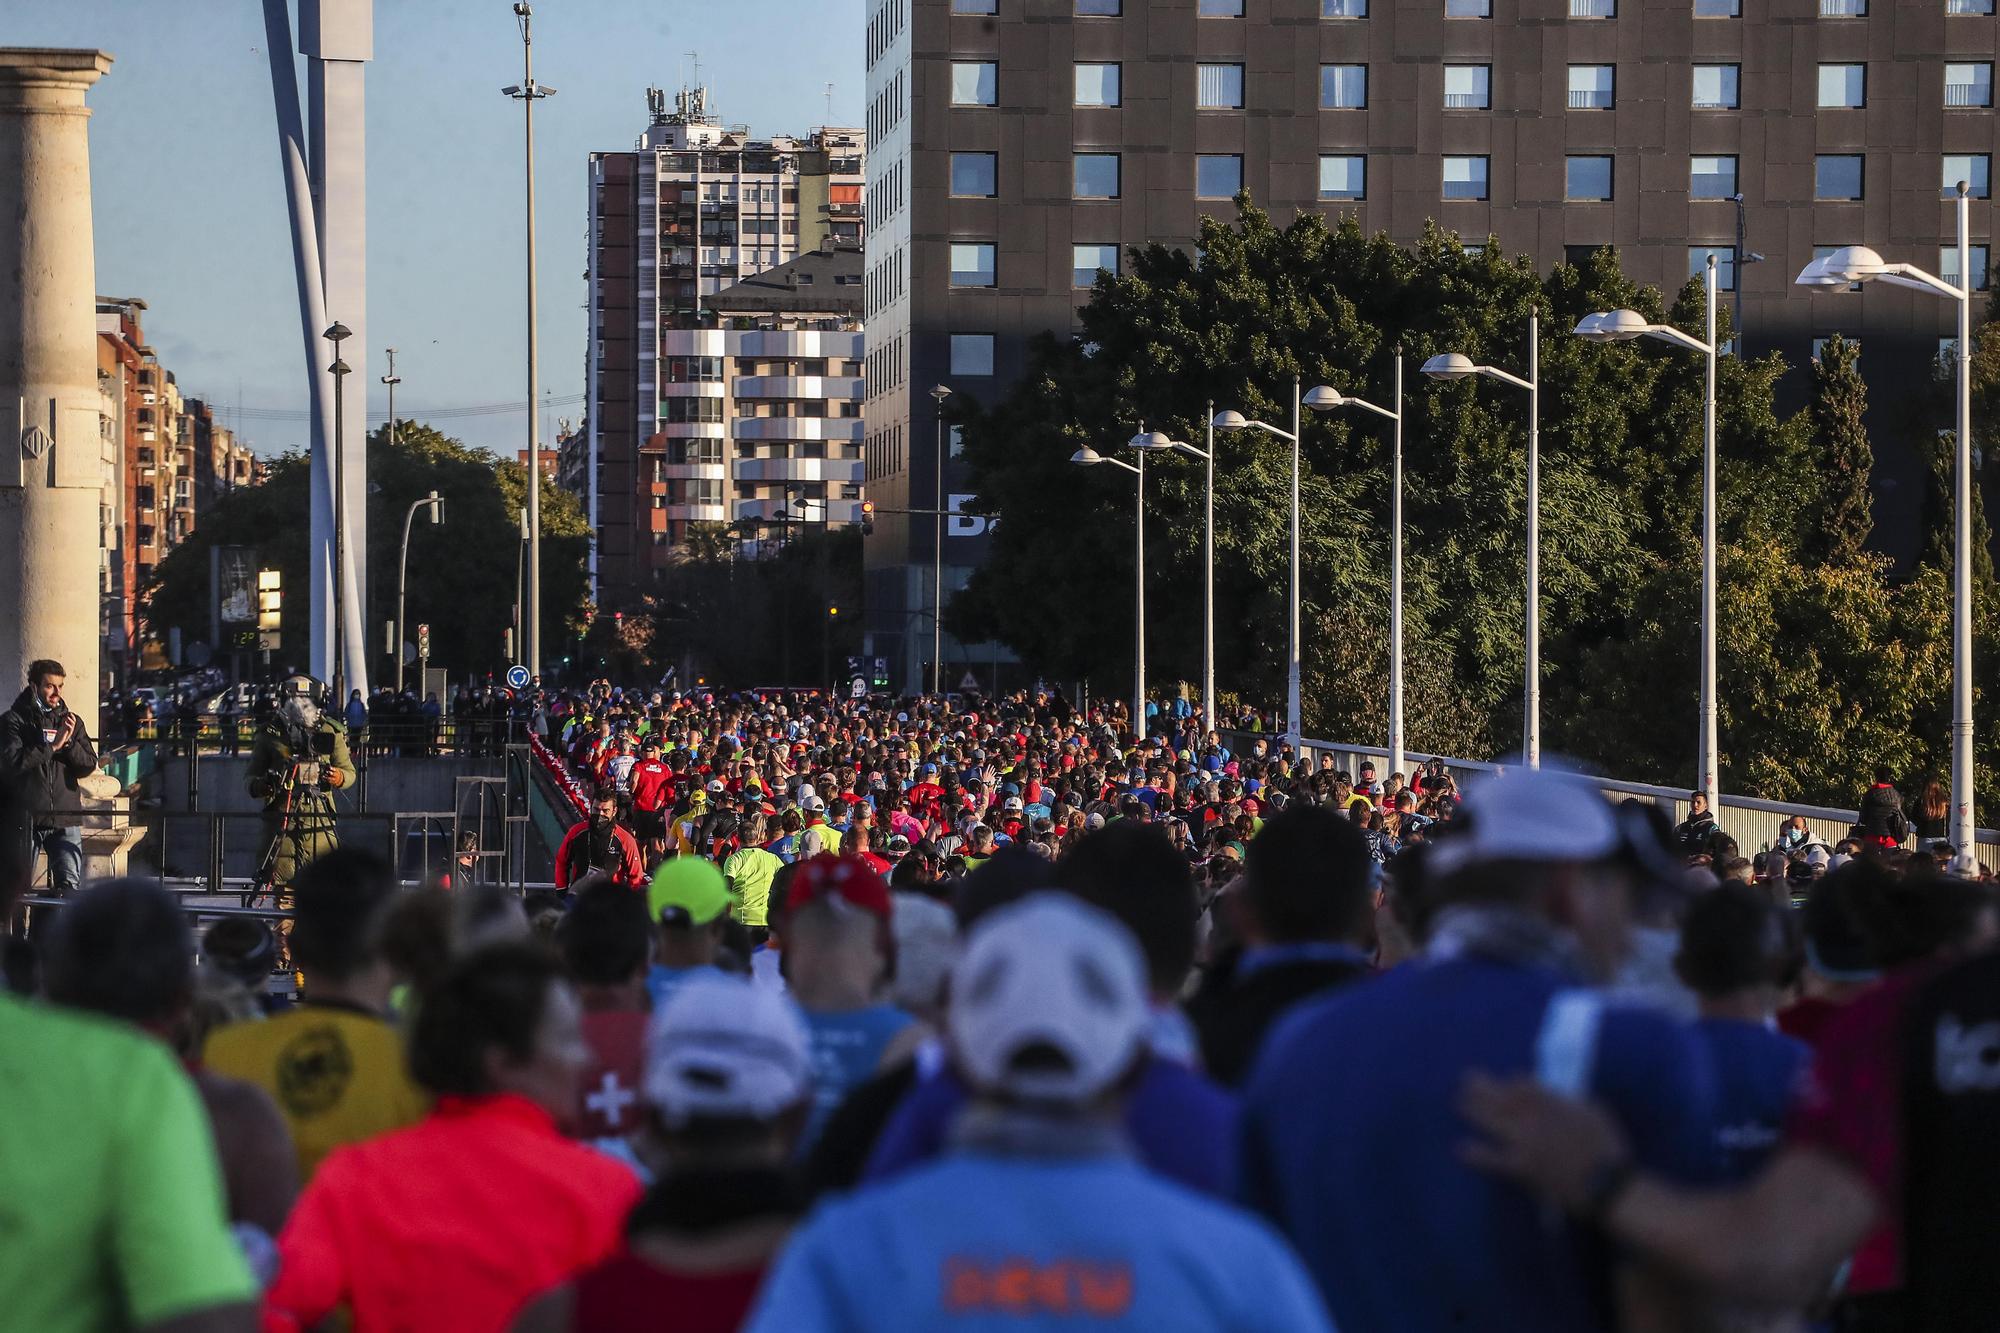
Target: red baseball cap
column 843, row 880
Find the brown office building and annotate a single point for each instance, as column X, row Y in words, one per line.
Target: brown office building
column 1019, row 145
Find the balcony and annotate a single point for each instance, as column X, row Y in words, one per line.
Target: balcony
column 832, row 387
column 1968, row 94
column 754, row 471
column 1589, row 99
column 846, row 429
column 716, row 471
column 1466, row 101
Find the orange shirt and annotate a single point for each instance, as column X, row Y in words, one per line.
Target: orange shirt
column 452, row 1224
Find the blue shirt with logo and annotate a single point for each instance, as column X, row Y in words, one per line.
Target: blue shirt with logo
column 1757, row 1068
column 846, row 1048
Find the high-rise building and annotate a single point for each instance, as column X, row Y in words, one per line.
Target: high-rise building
column 1020, row 146
column 693, row 209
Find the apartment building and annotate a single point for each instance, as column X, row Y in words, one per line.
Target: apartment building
column 1020, row 146
column 695, row 208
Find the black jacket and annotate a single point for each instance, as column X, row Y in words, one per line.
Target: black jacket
column 1691, row 835
column 48, row 777
column 1882, row 813
column 1231, row 1014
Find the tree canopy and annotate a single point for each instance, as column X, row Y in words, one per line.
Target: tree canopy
column 1620, row 444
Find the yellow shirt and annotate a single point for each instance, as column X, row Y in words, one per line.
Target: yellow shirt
column 337, row 1073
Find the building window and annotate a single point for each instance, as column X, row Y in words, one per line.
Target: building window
column 1725, row 264
column 1468, row 9
column 1715, row 87
column 1096, row 175
column 1843, row 9
column 1109, row 9
column 972, row 264
column 1343, row 9
column 1837, row 176
column 974, row 82
column 1968, row 6
column 975, row 6
column 1587, row 180
column 1218, row 175
column 1968, row 85
column 1843, row 86
column 1593, row 9
column 1221, row 9
column 1718, row 9
column 1465, row 178
column 1468, row 87
column 1219, row 87
column 1580, row 256
column 1086, row 260
column 972, row 354
column 1712, row 177
column 1975, row 169
column 1097, row 85
column 1592, row 87
column 1343, row 87
column 1982, row 268
column 1343, row 177
column 974, row 175
column 1819, row 345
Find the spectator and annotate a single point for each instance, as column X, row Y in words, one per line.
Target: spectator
column 1304, row 911
column 604, row 941
column 1882, row 822
column 46, row 750
column 108, row 1177
column 726, row 1092
column 333, row 1064
column 689, row 903
column 1691, row 835
column 1036, row 1218
column 1538, row 904
column 1933, row 817
column 457, row 1221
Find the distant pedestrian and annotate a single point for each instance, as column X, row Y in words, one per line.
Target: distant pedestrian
column 46, row 749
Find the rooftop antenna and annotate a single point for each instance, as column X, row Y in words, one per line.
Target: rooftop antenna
column 829, row 104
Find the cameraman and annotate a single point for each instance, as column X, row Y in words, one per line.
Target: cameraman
column 45, row 748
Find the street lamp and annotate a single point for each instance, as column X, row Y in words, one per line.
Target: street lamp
column 336, row 334
column 1453, row 366
column 1324, row 399
column 520, row 561
column 1089, row 457
column 938, row 395
column 1231, row 421
column 1856, row 264
column 527, row 92
column 1153, row 441
column 403, row 570
column 1611, row 326
column 392, row 379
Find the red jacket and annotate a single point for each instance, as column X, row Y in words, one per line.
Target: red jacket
column 572, row 863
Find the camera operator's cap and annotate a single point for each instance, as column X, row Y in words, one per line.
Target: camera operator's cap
column 688, row 891
column 725, row 1048
column 1535, row 815
column 1048, row 1001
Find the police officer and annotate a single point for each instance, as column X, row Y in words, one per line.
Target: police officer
column 298, row 761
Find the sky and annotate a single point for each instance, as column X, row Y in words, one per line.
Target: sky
column 189, row 206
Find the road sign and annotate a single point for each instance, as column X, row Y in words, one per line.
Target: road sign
column 858, row 687
column 881, row 671
column 968, row 681
column 517, row 676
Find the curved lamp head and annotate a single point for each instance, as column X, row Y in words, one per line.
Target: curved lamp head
column 338, row 332
column 1231, row 420
column 940, row 393
column 1855, row 263
column 1613, row 326
column 1086, row 457
column 1324, row 399
column 1450, row 366
column 1150, row 441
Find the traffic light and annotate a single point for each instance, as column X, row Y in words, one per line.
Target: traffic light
column 832, row 612
column 270, row 598
column 868, row 518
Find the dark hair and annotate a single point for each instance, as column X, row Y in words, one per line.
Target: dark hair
column 1882, row 774
column 603, row 936
column 1732, row 938
column 1132, row 871
column 491, row 998
column 1308, row 875
column 1899, row 918
column 123, row 948
column 339, row 901
column 416, row 937
column 45, row 666
column 242, row 948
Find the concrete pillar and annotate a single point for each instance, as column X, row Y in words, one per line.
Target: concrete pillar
column 50, row 465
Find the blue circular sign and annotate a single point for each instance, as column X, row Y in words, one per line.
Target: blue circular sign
column 517, row 676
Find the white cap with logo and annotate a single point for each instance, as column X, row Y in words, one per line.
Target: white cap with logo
column 1528, row 814
column 723, row 1048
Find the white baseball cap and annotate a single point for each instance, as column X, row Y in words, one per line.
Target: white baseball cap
column 1528, row 814
column 1048, row 972
column 726, row 1049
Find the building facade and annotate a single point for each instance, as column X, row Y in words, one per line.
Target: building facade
column 693, row 209
column 1019, row 146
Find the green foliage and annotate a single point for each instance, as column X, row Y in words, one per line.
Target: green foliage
column 461, row 575
column 1826, row 669
column 1844, row 458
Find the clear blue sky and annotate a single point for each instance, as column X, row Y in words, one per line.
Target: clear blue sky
column 189, row 204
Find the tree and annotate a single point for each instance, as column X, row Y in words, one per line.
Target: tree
column 461, row 576
column 1845, row 460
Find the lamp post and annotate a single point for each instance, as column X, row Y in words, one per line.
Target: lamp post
column 1857, row 263
column 1153, row 441
column 1233, row 420
column 520, row 560
column 340, row 370
column 938, row 394
column 527, row 92
column 392, row 379
column 1089, row 457
column 1324, row 399
column 403, row 570
column 1453, row 366
column 1612, row 326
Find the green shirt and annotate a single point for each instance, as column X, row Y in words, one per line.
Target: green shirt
column 111, row 1203
column 750, row 872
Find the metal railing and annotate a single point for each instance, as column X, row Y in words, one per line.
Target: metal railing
column 1593, row 9
column 1717, row 9
column 1968, row 94
column 1843, row 9
column 1589, row 99
column 1467, row 101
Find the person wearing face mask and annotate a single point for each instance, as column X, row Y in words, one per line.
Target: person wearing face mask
column 299, row 760
column 602, row 844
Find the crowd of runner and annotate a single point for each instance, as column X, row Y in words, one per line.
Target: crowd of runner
column 856, row 1015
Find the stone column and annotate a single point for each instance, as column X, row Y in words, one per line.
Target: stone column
column 50, row 464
